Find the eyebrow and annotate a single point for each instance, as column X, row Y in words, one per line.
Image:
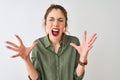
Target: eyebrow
column 58, row 18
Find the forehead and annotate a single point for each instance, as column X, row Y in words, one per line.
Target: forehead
column 56, row 13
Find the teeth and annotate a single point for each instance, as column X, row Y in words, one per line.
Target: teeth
column 55, row 30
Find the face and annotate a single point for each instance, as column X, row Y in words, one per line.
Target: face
column 55, row 24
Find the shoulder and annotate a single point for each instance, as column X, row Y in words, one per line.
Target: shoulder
column 41, row 39
column 73, row 39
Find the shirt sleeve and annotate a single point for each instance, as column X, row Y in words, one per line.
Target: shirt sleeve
column 31, row 79
column 37, row 78
column 78, row 77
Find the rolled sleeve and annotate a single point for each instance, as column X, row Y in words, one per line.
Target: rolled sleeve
column 37, row 78
column 78, row 77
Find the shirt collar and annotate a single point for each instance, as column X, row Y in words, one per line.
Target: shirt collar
column 47, row 41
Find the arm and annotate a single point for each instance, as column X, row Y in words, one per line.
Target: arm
column 24, row 53
column 80, row 69
column 31, row 70
column 83, row 50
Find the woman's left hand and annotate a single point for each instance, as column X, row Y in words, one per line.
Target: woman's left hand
column 85, row 47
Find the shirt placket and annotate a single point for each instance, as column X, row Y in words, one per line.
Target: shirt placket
column 57, row 67
column 57, row 57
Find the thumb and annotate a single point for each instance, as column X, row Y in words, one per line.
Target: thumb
column 34, row 44
column 73, row 45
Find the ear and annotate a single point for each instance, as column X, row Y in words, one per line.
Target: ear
column 46, row 30
column 64, row 30
column 44, row 23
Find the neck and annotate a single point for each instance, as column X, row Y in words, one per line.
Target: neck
column 55, row 41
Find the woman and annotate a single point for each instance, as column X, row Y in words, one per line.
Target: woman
column 56, row 56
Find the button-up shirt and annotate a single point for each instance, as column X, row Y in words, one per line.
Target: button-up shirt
column 56, row 66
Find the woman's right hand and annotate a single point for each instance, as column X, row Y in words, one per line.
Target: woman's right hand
column 21, row 49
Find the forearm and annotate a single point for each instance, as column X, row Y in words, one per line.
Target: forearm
column 80, row 70
column 31, row 70
column 81, row 67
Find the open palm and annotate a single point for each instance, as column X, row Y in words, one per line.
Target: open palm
column 85, row 47
column 21, row 50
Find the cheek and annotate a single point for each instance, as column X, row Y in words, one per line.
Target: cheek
column 48, row 28
column 62, row 26
column 62, row 29
column 48, row 24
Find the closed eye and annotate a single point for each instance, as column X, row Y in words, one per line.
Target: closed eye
column 60, row 20
column 51, row 19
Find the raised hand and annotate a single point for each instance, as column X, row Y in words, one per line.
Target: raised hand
column 86, row 46
column 21, row 49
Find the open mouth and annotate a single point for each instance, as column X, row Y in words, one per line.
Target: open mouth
column 55, row 31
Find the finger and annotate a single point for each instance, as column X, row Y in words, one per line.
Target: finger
column 90, row 48
column 11, row 48
column 84, row 37
column 74, row 45
column 92, row 41
column 93, row 37
column 30, row 48
column 14, row 56
column 12, row 44
column 19, row 39
column 34, row 44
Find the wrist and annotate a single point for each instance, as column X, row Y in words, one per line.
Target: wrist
column 27, row 60
column 83, row 62
column 83, row 59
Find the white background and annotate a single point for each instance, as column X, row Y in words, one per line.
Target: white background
column 25, row 18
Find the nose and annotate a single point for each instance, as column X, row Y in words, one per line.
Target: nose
column 55, row 23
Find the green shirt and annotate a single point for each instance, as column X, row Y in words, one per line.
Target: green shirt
column 52, row 66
